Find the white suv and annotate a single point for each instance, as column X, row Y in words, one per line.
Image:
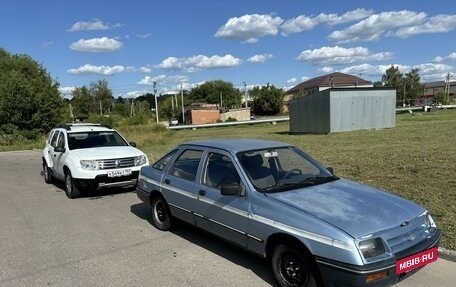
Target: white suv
column 90, row 156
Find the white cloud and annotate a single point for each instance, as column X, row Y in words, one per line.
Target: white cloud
column 436, row 24
column 145, row 69
column 450, row 57
column 102, row 70
column 350, row 16
column 248, row 28
column 304, row 23
column 97, row 45
column 297, row 25
column 150, row 80
column 326, row 69
column 339, row 55
column 292, row 80
column 95, row 24
column 377, row 25
column 196, row 63
column 66, row 92
column 366, row 70
column 261, row 58
column 428, row 71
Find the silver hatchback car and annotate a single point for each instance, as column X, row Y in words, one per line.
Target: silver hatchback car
column 275, row 200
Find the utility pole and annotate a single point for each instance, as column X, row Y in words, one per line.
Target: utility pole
column 156, row 105
column 182, row 102
column 447, row 86
column 245, row 94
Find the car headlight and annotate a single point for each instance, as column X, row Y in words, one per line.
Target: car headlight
column 430, row 224
column 140, row 160
column 90, row 164
column 371, row 248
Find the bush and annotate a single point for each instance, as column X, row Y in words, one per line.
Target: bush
column 230, row 119
column 158, row 128
column 97, row 119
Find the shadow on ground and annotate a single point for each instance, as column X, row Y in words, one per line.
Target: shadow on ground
column 214, row 244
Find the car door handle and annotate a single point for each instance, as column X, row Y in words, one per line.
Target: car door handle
column 202, row 192
column 167, row 181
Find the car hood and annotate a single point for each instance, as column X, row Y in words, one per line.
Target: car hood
column 107, row 152
column 357, row 209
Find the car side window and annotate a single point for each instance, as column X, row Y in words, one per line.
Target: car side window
column 61, row 140
column 186, row 165
column 220, row 170
column 161, row 163
column 54, row 138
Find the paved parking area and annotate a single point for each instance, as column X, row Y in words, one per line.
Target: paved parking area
column 107, row 240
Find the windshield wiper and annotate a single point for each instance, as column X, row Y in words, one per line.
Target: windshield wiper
column 289, row 184
column 319, row 179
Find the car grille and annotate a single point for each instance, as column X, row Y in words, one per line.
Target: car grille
column 412, row 235
column 117, row 163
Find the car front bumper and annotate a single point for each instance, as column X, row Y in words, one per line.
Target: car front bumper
column 337, row 274
column 103, row 181
column 143, row 195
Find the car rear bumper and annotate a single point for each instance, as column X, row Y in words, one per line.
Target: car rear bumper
column 337, row 274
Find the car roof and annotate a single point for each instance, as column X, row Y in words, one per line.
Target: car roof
column 236, row 145
column 72, row 128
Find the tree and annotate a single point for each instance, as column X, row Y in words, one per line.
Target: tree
column 413, row 87
column 394, row 78
column 29, row 97
column 102, row 95
column 441, row 98
column 267, row 100
column 82, row 102
column 217, row 92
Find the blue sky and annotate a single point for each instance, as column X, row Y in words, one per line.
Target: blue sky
column 133, row 43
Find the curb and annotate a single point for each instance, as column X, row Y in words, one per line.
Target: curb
column 447, row 254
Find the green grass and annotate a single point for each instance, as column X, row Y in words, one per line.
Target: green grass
column 416, row 159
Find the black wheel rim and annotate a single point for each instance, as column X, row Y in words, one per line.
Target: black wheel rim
column 160, row 211
column 293, row 269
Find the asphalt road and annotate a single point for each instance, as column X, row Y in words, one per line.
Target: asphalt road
column 107, row 240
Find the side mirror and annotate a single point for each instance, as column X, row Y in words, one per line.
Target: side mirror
column 133, row 144
column 330, row 169
column 59, row 149
column 231, row 189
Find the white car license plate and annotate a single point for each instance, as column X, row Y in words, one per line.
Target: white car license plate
column 117, row 173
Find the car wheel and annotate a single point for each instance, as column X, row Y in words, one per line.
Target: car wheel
column 160, row 213
column 71, row 190
column 47, row 173
column 291, row 267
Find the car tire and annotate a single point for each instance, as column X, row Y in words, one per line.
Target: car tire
column 47, row 173
column 292, row 267
column 161, row 216
column 71, row 190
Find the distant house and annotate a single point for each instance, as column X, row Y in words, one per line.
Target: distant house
column 208, row 114
column 432, row 88
column 321, row 83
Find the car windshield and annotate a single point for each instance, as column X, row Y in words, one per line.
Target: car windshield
column 82, row 140
column 280, row 169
